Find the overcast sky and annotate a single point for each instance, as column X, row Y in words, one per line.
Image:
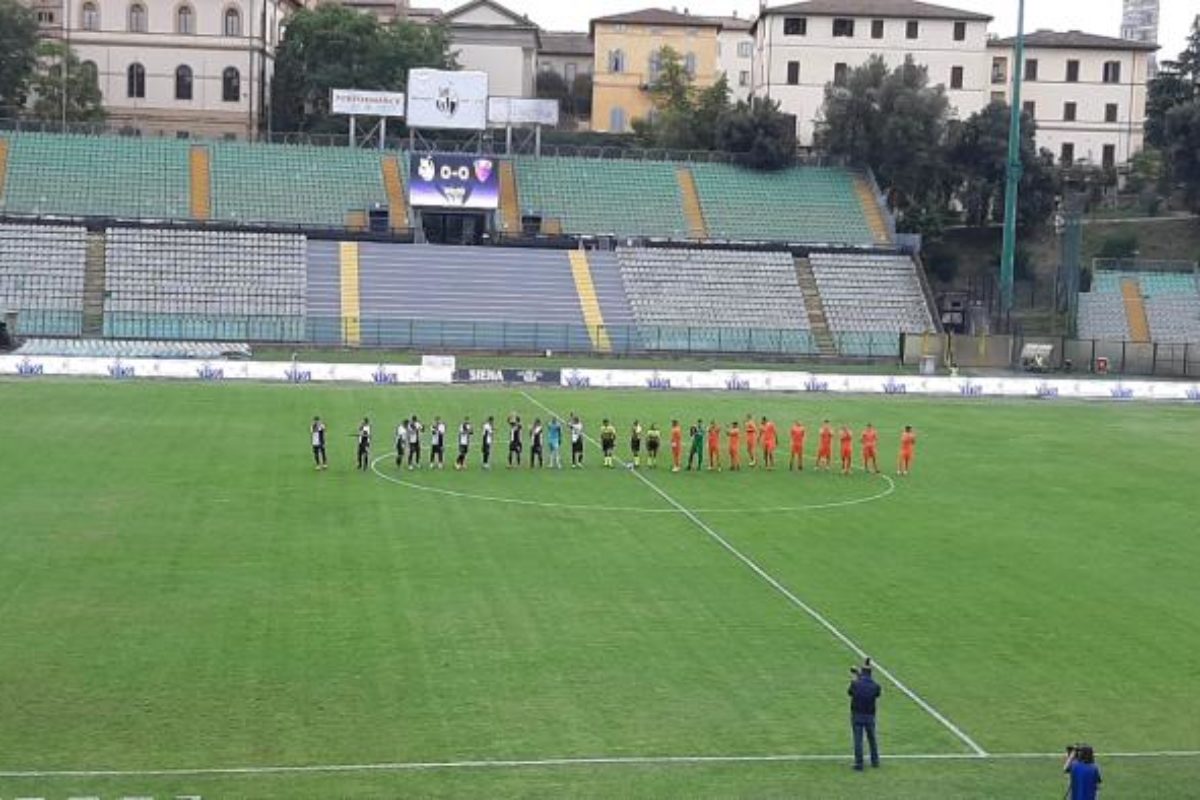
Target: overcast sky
column 1093, row 16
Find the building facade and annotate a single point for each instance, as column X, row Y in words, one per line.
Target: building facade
column 567, row 53
column 803, row 47
column 1086, row 92
column 735, row 55
column 627, row 60
column 193, row 67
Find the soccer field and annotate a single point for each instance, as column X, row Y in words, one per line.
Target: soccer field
column 187, row 605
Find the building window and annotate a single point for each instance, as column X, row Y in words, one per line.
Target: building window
column 569, row 72
column 655, row 65
column 231, row 85
column 1112, row 71
column 137, row 18
column 135, row 81
column 795, row 26
column 1072, row 71
column 183, row 82
column 90, row 16
column 1110, row 112
column 689, row 65
column 793, row 75
column 185, row 20
column 616, row 120
column 999, row 70
column 745, row 49
column 233, row 22
column 843, row 27
column 840, row 72
column 1067, row 156
column 998, row 97
column 1029, row 108
column 1031, row 67
column 744, row 78
column 876, row 29
column 89, row 72
column 1108, row 159
column 1068, row 112
column 960, row 31
column 956, row 77
column 45, row 17
column 912, row 29
column 616, row 61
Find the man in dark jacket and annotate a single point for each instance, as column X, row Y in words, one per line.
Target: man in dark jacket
column 863, row 692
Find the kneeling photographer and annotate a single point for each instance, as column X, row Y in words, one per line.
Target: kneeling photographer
column 1084, row 774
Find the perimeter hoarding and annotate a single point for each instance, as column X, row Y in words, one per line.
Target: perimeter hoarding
column 443, row 99
column 522, row 111
column 453, row 180
column 369, row 104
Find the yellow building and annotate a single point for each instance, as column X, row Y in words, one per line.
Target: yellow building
column 627, row 48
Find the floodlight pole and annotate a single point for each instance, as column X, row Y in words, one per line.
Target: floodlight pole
column 1013, row 174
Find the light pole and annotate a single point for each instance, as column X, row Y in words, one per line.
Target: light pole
column 1013, row 174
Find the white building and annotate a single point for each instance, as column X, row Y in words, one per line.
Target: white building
column 735, row 54
column 802, row 47
column 180, row 68
column 1086, row 92
column 566, row 52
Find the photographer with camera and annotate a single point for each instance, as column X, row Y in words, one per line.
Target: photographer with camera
column 1084, row 774
column 863, row 692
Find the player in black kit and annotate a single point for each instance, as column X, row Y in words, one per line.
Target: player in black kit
column 414, row 442
column 364, row 444
column 464, row 443
column 401, row 438
column 535, row 443
column 514, row 441
column 318, row 443
column 437, row 444
column 489, row 438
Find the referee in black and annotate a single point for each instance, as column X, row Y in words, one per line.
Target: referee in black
column 364, row 444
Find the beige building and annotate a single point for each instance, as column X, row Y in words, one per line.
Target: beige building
column 627, row 58
column 1087, row 92
column 180, row 68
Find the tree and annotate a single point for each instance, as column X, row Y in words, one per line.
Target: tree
column 759, row 133
column 581, row 91
column 84, row 102
column 18, row 54
column 549, row 85
column 333, row 47
column 1175, row 85
column 1183, row 149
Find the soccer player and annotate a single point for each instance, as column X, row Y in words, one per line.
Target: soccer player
column 576, row 442
column 535, row 443
column 697, row 451
column 847, row 440
column 735, row 447
column 653, row 440
column 414, row 442
column 797, row 460
column 770, row 439
column 318, row 443
column 401, row 438
column 676, row 445
column 489, row 438
column 554, row 439
column 870, row 441
column 908, row 443
column 464, row 443
column 514, row 441
column 714, row 446
column 437, row 444
column 751, row 440
column 825, row 446
column 608, row 442
column 635, row 443
column 364, row 444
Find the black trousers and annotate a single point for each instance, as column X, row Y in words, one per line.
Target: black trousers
column 364, row 457
column 319, row 454
column 535, row 454
column 414, row 455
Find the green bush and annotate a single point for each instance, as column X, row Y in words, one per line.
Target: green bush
column 1118, row 245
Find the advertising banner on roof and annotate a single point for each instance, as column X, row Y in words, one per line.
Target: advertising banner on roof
column 453, row 180
column 503, row 111
column 367, row 104
column 443, row 99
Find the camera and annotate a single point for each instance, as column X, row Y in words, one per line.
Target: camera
column 866, row 665
column 1081, row 752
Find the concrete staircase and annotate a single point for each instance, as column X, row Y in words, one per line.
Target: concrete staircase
column 871, row 210
column 589, row 304
column 200, row 188
column 94, row 268
column 1135, row 310
column 393, row 184
column 812, row 304
column 692, row 210
column 510, row 205
column 3, row 166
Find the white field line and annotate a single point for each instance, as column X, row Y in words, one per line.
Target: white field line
column 796, row 601
column 534, row 763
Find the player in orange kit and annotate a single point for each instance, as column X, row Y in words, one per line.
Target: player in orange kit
column 797, row 460
column 847, row 439
column 870, row 443
column 825, row 446
column 735, row 447
column 770, row 438
column 714, row 446
column 676, row 445
column 751, row 440
column 908, row 443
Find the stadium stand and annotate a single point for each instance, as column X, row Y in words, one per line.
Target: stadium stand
column 817, row 205
column 1168, row 304
column 870, row 299
column 204, row 285
column 619, row 323
column 41, row 277
column 715, row 300
column 322, row 303
column 1101, row 315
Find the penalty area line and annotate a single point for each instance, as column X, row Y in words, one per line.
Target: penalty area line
column 817, row 616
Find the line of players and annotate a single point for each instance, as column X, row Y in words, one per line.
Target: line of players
column 546, row 444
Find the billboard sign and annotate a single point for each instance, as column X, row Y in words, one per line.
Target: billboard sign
column 443, row 99
column 503, row 111
column 453, row 180
column 367, row 104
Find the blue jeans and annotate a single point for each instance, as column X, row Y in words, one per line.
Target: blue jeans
column 864, row 723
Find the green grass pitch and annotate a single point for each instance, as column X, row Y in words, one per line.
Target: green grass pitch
column 179, row 589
